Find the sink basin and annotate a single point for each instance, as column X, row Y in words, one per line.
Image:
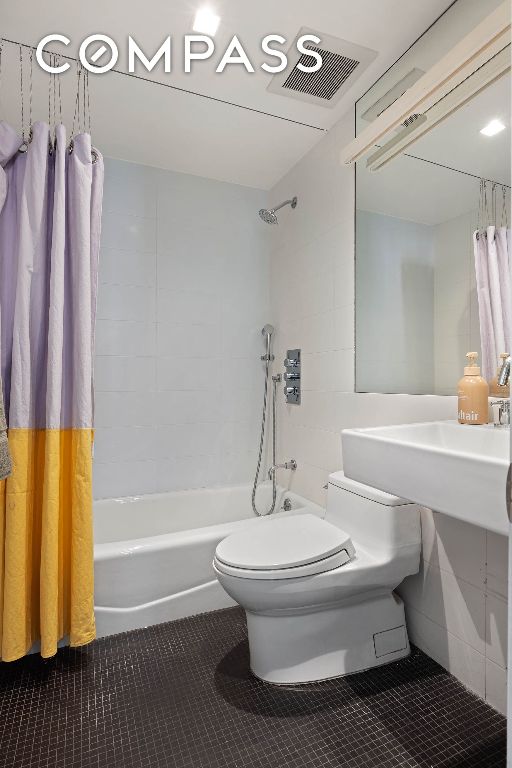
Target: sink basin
column 454, row 468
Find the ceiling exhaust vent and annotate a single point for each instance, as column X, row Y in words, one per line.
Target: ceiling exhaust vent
column 342, row 64
column 328, row 80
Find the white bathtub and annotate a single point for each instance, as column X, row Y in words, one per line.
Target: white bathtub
column 153, row 554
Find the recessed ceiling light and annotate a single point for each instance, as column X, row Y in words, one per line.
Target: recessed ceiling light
column 206, row 21
column 492, row 128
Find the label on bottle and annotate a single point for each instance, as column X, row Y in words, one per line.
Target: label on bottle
column 473, row 408
column 468, row 416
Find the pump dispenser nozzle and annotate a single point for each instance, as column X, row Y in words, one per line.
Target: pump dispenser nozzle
column 473, row 369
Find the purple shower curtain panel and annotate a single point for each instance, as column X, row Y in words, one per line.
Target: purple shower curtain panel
column 492, row 266
column 49, row 247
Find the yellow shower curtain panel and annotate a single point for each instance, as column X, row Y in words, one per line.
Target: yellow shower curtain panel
column 46, row 589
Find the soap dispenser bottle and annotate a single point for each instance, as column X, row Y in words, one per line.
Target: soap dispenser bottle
column 494, row 388
column 473, row 394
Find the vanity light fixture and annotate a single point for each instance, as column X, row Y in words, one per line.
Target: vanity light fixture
column 492, row 128
column 480, row 47
column 206, row 22
column 458, row 97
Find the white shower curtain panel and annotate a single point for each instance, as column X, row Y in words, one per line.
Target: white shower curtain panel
column 492, row 265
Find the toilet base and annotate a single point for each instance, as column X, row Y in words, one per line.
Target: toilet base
column 308, row 647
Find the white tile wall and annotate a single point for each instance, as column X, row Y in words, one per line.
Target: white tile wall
column 456, row 605
column 184, row 292
column 312, row 294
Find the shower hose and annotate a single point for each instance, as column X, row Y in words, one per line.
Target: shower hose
column 262, row 441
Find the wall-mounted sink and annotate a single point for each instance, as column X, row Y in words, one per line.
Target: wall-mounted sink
column 457, row 469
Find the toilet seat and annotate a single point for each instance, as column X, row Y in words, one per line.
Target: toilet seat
column 299, row 545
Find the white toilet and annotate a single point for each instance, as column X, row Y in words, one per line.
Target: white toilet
column 318, row 593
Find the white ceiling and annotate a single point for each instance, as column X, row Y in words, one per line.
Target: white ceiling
column 418, row 191
column 147, row 123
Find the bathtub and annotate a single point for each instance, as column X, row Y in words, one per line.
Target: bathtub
column 153, row 554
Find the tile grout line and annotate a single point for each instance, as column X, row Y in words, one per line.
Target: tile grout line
column 445, row 629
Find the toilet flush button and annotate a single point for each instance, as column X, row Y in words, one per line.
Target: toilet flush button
column 390, row 641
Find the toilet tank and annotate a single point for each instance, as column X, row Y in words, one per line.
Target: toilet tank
column 371, row 517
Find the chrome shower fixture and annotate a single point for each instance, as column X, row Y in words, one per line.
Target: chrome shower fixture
column 269, row 214
column 267, row 331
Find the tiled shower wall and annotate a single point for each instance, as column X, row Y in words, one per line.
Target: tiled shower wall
column 456, row 606
column 182, row 298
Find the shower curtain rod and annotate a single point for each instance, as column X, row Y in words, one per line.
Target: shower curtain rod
column 457, row 170
column 182, row 90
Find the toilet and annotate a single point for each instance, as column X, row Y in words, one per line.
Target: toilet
column 318, row 593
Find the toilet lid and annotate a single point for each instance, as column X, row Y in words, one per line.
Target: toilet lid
column 289, row 542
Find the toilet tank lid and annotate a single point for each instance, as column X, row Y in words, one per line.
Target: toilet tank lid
column 339, row 480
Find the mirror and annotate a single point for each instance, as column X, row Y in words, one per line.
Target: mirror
column 417, row 307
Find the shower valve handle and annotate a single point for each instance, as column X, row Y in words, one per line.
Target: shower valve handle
column 291, row 376
column 288, row 363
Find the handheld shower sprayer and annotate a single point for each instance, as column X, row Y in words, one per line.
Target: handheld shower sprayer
column 268, row 331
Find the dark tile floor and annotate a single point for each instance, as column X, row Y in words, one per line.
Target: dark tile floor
column 180, row 695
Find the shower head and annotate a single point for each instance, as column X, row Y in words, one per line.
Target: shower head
column 268, row 215
column 267, row 330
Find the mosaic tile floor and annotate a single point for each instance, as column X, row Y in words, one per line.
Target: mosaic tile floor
column 180, row 695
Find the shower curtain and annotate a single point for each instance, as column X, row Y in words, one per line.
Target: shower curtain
column 492, row 266
column 49, row 242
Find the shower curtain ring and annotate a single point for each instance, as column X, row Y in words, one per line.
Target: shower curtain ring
column 94, row 154
column 26, row 142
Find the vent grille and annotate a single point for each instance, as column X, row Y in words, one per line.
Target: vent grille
column 325, row 82
column 410, row 120
column 342, row 63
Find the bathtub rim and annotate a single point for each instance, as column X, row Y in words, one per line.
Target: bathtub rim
column 159, row 542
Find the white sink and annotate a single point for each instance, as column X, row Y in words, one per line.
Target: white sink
column 453, row 468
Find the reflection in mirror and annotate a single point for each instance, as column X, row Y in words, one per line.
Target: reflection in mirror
column 417, row 294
